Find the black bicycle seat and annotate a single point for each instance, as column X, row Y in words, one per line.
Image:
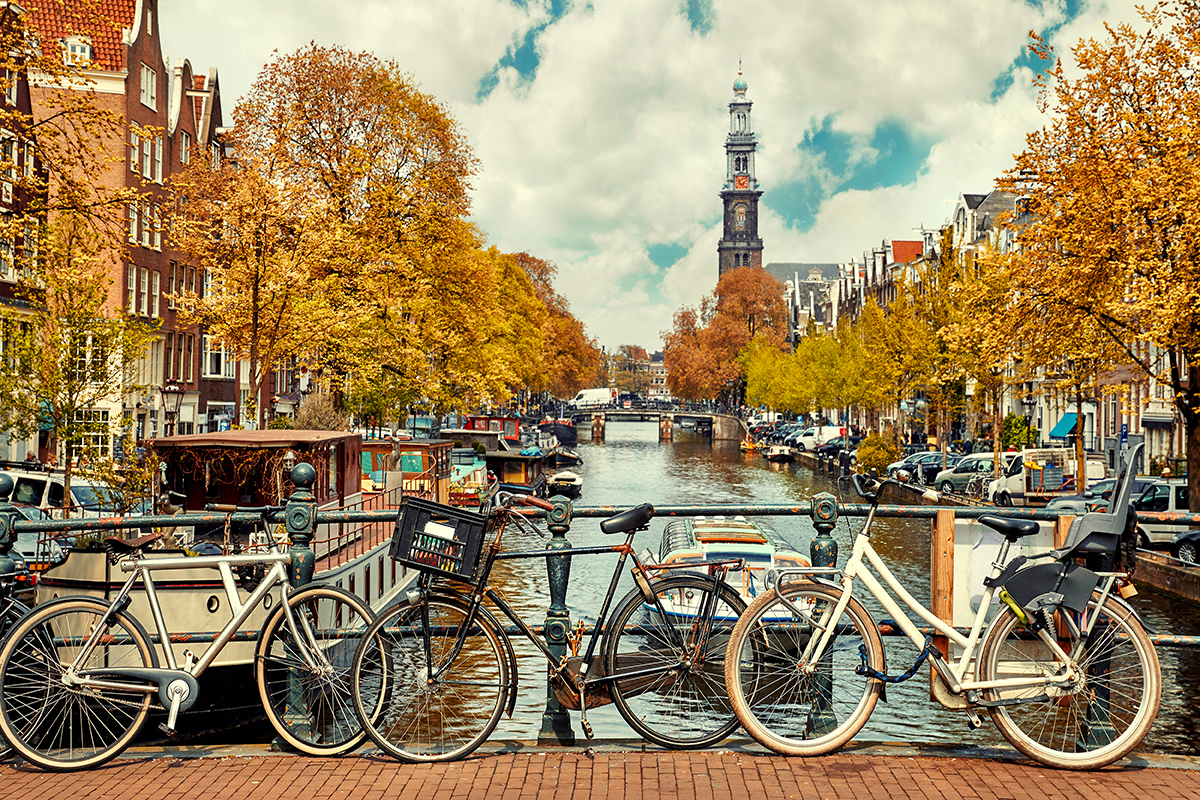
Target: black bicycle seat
column 631, row 519
column 1012, row 529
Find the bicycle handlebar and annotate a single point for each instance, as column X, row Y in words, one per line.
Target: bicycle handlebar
column 530, row 500
column 863, row 483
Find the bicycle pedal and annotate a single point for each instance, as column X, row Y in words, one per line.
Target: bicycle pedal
column 587, row 729
column 170, row 732
column 973, row 721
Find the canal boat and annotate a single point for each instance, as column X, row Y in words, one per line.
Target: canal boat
column 471, row 486
column 562, row 429
column 509, row 427
column 565, row 483
column 719, row 538
column 780, row 454
column 562, row 457
column 520, row 473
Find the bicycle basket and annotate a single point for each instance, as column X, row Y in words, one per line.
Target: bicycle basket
column 442, row 540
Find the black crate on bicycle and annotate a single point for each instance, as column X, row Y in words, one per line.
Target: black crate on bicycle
column 442, row 540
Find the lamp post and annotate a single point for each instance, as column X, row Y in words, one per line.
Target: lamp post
column 172, row 398
column 1030, row 404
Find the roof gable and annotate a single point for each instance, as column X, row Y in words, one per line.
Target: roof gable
column 906, row 252
column 103, row 22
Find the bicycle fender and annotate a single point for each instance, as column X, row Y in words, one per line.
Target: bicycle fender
column 1146, row 626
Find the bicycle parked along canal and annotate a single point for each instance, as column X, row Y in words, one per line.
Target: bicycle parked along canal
column 79, row 675
column 1065, row 669
column 11, row 610
column 433, row 675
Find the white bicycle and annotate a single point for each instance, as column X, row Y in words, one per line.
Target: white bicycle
column 1065, row 669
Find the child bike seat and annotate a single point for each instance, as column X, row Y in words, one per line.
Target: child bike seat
column 1100, row 531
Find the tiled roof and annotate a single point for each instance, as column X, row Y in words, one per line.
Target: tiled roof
column 101, row 20
column 906, row 252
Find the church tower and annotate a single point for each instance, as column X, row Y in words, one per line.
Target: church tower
column 739, row 245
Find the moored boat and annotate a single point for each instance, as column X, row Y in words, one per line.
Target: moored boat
column 565, row 483
column 780, row 454
column 562, row 429
column 720, row 538
column 562, row 457
column 470, row 484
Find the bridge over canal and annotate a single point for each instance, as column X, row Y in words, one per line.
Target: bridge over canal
column 718, row 427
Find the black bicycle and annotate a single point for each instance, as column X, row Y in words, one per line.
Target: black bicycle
column 433, row 675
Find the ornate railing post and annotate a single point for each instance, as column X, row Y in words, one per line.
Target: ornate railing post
column 300, row 517
column 556, row 721
column 823, row 552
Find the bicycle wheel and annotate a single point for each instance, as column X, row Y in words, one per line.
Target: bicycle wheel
column 410, row 712
column 1100, row 716
column 788, row 702
column 52, row 723
column 683, row 704
column 10, row 611
column 309, row 703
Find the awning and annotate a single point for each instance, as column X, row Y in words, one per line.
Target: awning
column 1064, row 427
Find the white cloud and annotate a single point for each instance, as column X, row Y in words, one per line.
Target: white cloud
column 616, row 145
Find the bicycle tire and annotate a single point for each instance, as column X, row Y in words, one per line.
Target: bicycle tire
column 679, row 709
column 1093, row 723
column 787, row 709
column 12, row 612
column 415, row 719
column 58, row 727
column 310, row 705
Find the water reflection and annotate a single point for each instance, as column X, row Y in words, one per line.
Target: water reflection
column 632, row 467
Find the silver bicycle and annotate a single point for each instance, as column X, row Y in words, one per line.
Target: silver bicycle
column 79, row 675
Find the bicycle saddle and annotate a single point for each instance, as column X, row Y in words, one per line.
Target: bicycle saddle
column 1012, row 529
column 631, row 519
column 122, row 547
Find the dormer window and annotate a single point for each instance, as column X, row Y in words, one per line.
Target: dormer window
column 77, row 51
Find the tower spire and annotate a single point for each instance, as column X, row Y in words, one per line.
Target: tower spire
column 740, row 245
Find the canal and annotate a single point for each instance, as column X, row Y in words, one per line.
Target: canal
column 631, row 467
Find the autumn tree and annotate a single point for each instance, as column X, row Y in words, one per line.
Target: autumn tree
column 66, row 355
column 1113, row 191
column 571, row 359
column 268, row 253
column 631, row 375
column 701, row 351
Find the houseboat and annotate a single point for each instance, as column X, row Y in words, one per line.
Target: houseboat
column 699, row 539
column 471, row 486
column 562, row 429
column 520, row 473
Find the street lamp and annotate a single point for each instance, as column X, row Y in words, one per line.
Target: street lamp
column 1030, row 404
column 172, row 398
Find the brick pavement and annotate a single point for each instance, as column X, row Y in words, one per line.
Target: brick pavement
column 533, row 773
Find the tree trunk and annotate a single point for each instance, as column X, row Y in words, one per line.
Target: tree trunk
column 1080, row 455
column 1188, row 404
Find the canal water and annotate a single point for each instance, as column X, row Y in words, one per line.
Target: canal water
column 632, row 467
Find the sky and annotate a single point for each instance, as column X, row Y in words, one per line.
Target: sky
column 600, row 125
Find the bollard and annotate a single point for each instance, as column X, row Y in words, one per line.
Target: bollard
column 299, row 516
column 823, row 552
column 556, row 721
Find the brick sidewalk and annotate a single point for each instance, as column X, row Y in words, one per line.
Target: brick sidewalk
column 576, row 775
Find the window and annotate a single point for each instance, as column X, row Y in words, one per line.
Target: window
column 135, row 147
column 29, row 249
column 185, row 147
column 6, row 257
column 28, row 160
column 77, row 51
column 191, row 343
column 158, row 145
column 133, row 223
column 149, row 87
column 94, row 434
column 169, row 366
column 154, row 224
column 154, row 295
column 10, row 87
column 8, row 153
column 131, row 289
column 147, row 164
column 217, row 362
column 179, row 357
column 145, row 212
column 144, row 293
column 192, row 280
column 214, row 155
column 171, row 269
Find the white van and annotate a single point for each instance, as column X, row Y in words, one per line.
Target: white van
column 811, row 437
column 1038, row 475
column 44, row 490
column 595, row 398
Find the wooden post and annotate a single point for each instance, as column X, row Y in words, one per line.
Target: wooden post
column 598, row 429
column 941, row 585
column 664, row 428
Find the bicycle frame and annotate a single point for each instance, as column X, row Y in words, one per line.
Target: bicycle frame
column 954, row 675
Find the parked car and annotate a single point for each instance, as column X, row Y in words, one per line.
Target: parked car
column 1170, row 495
column 1186, row 546
column 927, row 471
column 911, row 461
column 956, row 478
column 1098, row 495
